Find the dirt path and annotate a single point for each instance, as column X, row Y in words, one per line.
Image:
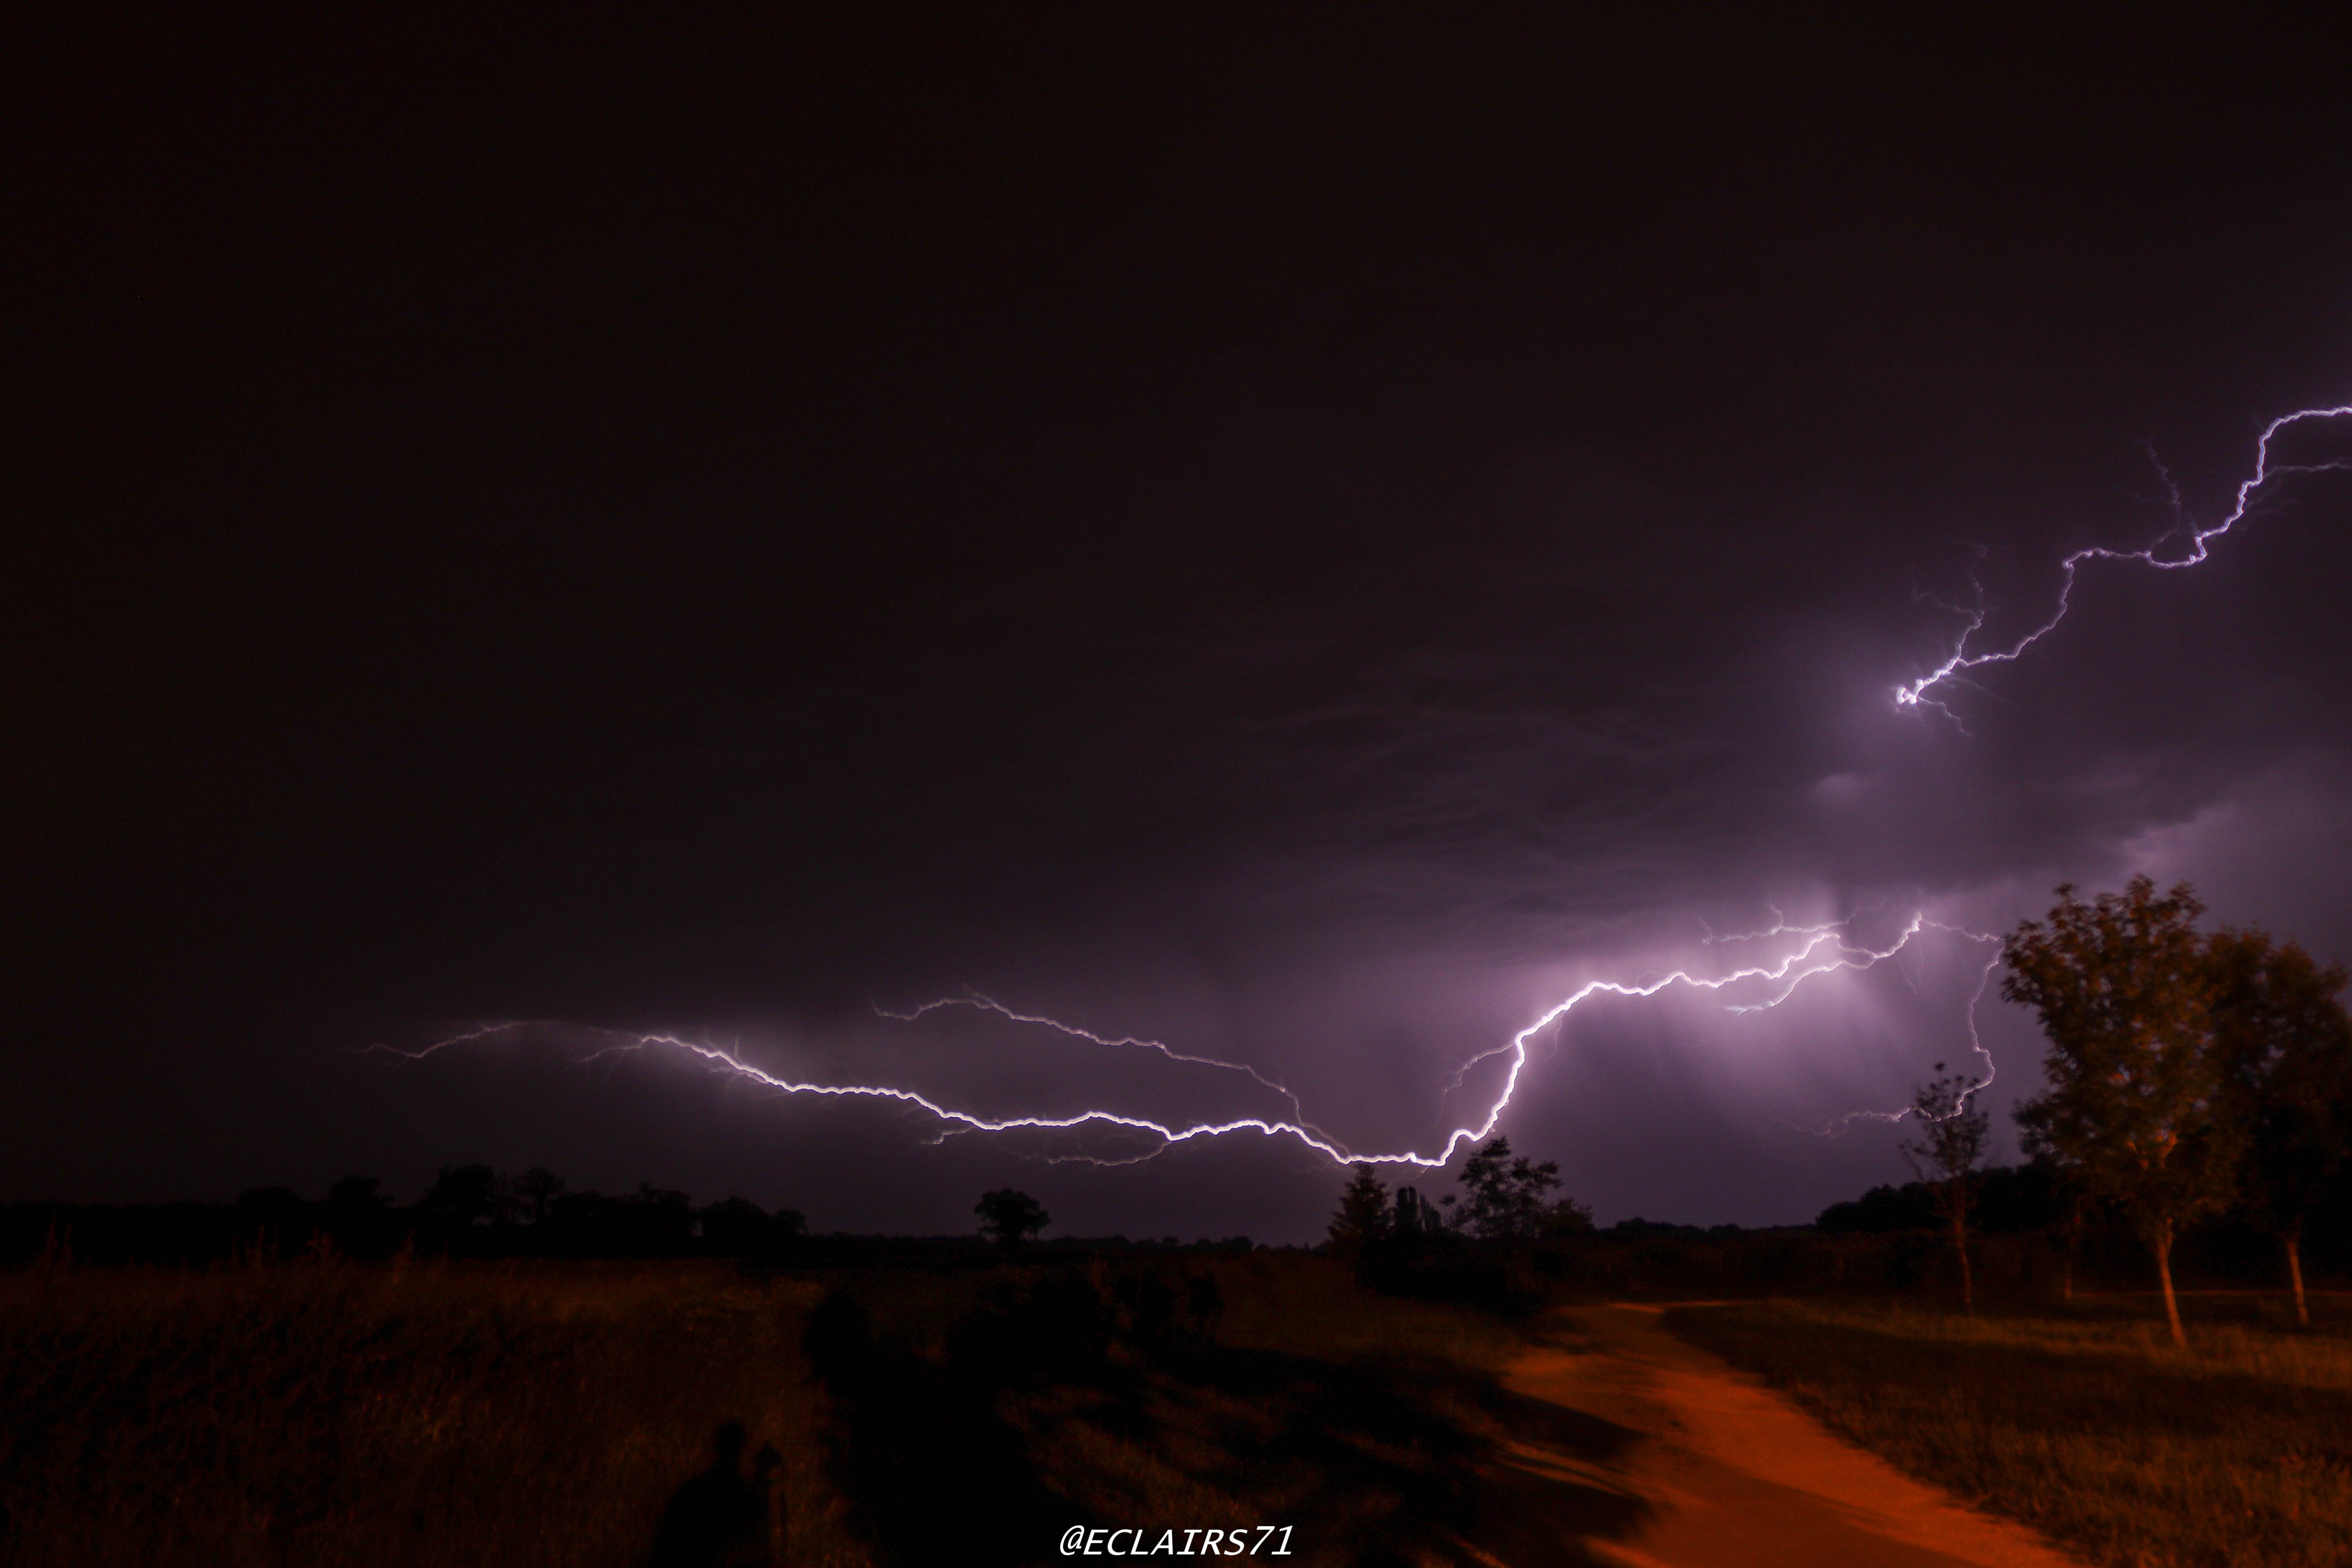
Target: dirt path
column 1640, row 1451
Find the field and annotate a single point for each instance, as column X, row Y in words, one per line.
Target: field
column 2087, row 1423
column 322, row 1412
column 326, row 1413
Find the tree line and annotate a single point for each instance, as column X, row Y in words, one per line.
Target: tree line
column 2188, row 1074
column 467, row 1211
column 1504, row 1197
column 478, row 1210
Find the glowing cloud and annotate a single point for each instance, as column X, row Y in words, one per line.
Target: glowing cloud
column 1820, row 949
column 1916, row 694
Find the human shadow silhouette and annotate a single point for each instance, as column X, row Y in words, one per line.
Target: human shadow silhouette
column 719, row 1519
column 933, row 1471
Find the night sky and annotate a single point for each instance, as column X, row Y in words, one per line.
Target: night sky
column 1302, row 536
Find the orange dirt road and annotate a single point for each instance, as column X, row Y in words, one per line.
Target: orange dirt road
column 1640, row 1451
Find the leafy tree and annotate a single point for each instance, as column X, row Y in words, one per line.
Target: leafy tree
column 2136, row 1111
column 1950, row 1141
column 1009, row 1216
column 2286, row 1045
column 1504, row 1195
column 1362, row 1214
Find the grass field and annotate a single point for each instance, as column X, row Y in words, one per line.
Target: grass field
column 2088, row 1424
column 336, row 1414
column 329, row 1413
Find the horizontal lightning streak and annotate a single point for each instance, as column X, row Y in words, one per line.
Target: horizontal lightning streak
column 1785, row 975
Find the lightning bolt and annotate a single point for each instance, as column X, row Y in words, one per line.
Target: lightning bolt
column 1960, row 659
column 1823, row 951
column 1825, row 948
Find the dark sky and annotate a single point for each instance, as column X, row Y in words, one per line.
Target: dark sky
column 1306, row 535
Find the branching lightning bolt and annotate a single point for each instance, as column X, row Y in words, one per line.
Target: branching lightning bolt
column 1823, row 951
column 1960, row 659
column 1825, row 947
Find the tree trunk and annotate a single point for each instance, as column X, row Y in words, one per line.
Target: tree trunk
column 2161, row 1244
column 2293, row 1242
column 2070, row 1230
column 1968, row 1283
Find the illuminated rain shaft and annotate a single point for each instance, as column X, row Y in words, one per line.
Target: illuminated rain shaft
column 1916, row 694
column 1824, row 951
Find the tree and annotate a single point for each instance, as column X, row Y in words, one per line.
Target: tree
column 1951, row 1139
column 1564, row 1216
column 2286, row 1045
column 358, row 1214
column 1362, row 1214
column 1503, row 1197
column 1010, row 1217
column 1414, row 1217
column 462, row 1196
column 536, row 1192
column 734, row 1227
column 2136, row 1111
column 358, row 1195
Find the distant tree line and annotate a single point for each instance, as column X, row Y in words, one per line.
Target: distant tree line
column 476, row 1211
column 469, row 1211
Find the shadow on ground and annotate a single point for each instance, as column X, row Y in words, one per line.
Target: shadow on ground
column 1053, row 1403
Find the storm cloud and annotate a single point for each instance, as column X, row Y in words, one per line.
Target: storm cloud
column 1304, row 546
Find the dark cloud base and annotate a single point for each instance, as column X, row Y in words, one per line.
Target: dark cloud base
column 1300, row 543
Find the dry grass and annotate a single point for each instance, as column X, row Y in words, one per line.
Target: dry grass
column 1355, row 1419
column 1313, row 1307
column 2088, row 1424
column 330, row 1414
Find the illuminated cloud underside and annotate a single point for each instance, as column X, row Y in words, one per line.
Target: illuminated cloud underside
column 1823, row 949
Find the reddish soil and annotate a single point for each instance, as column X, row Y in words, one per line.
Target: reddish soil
column 1642, row 1451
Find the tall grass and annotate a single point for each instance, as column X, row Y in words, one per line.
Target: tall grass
column 1310, row 1306
column 1298, row 1399
column 2088, row 1424
column 323, row 1414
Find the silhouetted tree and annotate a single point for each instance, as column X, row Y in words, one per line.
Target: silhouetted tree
column 1503, row 1197
column 1950, row 1141
column 1362, row 1214
column 1411, row 1217
column 2137, row 1110
column 273, row 1219
column 660, row 1219
column 1009, row 1216
column 461, row 1195
column 358, row 1195
column 740, row 1227
column 358, row 1215
column 2288, row 1048
column 1564, row 1216
column 536, row 1190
